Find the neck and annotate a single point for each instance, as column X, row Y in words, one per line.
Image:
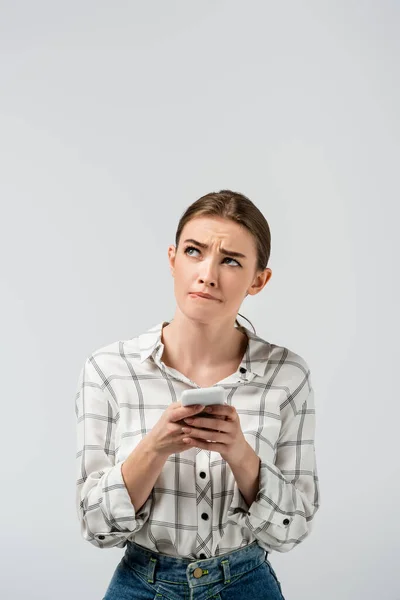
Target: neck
column 195, row 346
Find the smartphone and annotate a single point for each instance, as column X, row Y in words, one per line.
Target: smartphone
column 206, row 396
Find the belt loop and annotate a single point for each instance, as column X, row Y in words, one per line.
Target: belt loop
column 227, row 572
column 150, row 572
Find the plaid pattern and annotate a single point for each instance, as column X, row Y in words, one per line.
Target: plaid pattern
column 195, row 508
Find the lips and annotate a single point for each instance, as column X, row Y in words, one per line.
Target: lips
column 208, row 296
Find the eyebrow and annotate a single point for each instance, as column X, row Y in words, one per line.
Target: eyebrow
column 222, row 250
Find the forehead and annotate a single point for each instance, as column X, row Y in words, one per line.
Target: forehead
column 209, row 229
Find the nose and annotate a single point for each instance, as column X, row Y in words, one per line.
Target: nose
column 208, row 274
column 207, row 281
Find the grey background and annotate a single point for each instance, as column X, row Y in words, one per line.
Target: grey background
column 114, row 117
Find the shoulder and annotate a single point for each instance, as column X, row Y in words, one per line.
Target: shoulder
column 279, row 359
column 288, row 370
column 111, row 360
column 288, row 363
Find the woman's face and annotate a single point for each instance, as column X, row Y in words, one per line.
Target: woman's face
column 226, row 277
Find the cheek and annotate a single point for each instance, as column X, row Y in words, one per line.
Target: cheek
column 182, row 286
column 236, row 290
column 180, row 278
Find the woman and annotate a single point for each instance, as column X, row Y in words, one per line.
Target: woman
column 199, row 501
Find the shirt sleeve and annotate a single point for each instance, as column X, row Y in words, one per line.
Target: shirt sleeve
column 281, row 516
column 105, row 511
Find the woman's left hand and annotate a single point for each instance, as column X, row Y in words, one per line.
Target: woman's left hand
column 226, row 434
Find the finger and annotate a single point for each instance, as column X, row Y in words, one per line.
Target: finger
column 207, row 415
column 223, row 410
column 203, row 434
column 220, row 417
column 213, row 423
column 196, row 443
column 186, row 411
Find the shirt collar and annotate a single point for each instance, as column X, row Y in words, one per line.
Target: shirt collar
column 254, row 360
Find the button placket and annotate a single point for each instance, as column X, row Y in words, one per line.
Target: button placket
column 204, row 505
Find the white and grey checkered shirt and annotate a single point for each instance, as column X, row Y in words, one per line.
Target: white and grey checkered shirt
column 195, row 509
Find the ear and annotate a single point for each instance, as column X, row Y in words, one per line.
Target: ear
column 171, row 257
column 260, row 281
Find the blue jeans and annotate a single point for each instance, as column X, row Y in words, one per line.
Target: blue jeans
column 243, row 574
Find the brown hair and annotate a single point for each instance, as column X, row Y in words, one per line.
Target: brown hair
column 238, row 208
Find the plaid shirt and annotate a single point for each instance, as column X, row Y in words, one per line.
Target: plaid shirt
column 195, row 509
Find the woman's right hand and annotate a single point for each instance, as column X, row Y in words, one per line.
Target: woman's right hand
column 167, row 435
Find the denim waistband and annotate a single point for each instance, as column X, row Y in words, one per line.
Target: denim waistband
column 155, row 566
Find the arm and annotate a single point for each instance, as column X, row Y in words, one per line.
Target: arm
column 247, row 475
column 106, row 509
column 140, row 472
column 281, row 515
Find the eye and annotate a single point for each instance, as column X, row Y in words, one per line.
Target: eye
column 197, row 250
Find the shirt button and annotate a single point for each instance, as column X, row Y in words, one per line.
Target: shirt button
column 202, row 555
column 202, row 474
column 204, row 516
column 101, row 537
column 286, row 521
